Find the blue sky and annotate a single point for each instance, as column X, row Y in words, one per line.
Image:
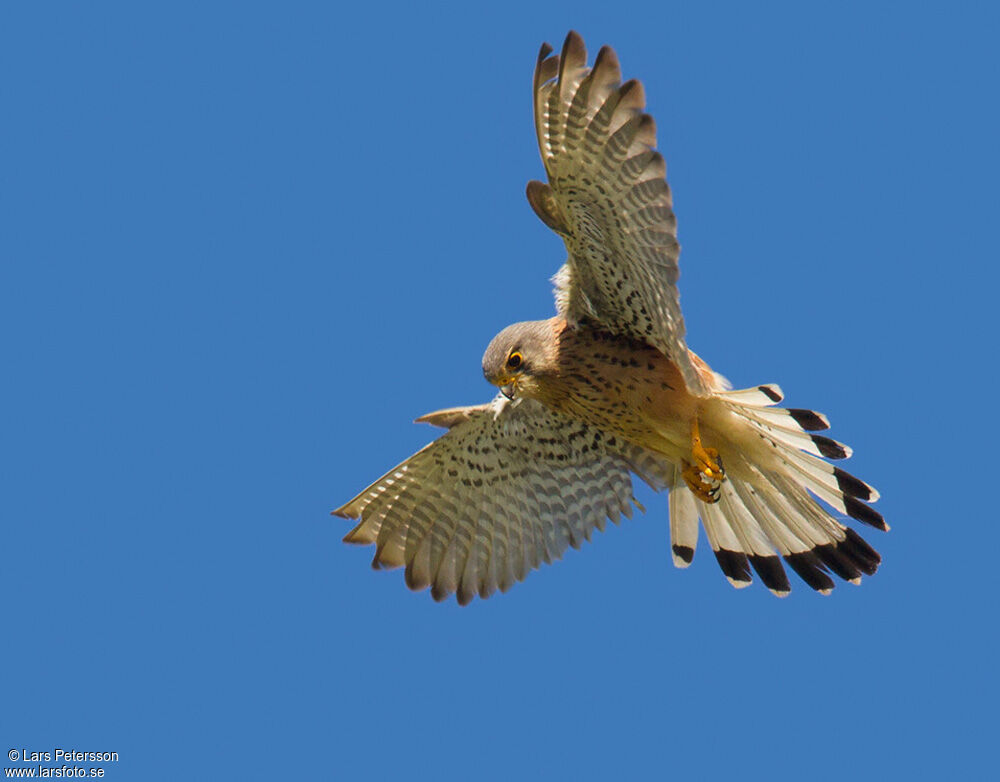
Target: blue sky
column 244, row 245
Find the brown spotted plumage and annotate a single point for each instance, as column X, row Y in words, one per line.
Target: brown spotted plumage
column 508, row 487
column 608, row 388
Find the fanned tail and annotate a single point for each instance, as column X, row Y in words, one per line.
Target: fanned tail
column 768, row 509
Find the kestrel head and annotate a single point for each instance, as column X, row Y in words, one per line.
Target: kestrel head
column 519, row 356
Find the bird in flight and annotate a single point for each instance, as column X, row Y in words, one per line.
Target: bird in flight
column 607, row 389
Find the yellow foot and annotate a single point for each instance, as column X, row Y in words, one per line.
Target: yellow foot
column 704, row 475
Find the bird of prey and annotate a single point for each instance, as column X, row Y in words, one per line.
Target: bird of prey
column 608, row 388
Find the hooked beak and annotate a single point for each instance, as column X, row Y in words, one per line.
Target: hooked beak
column 508, row 390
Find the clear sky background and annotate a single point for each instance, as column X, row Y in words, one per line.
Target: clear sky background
column 244, row 245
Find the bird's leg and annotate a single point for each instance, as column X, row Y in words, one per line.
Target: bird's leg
column 704, row 474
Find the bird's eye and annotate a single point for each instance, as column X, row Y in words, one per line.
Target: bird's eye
column 514, row 360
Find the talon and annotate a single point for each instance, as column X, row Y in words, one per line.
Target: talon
column 705, row 476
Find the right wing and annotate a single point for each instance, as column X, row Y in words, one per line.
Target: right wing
column 607, row 197
column 510, row 485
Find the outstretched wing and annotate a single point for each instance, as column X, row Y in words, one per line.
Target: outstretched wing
column 510, row 485
column 609, row 200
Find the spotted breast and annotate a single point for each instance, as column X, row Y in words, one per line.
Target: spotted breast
column 621, row 385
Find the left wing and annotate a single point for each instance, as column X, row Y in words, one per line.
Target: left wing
column 608, row 199
column 510, row 485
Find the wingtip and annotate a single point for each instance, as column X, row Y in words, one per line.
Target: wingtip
column 606, row 56
column 573, row 47
column 355, row 536
column 450, row 417
column 633, row 95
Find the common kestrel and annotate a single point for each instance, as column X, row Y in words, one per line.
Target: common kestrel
column 608, row 388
